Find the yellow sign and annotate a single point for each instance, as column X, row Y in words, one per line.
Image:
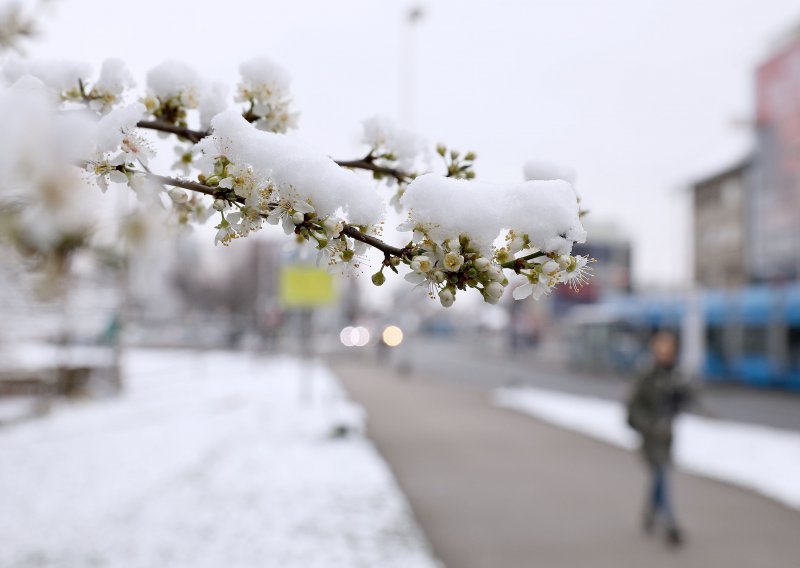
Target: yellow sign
column 306, row 287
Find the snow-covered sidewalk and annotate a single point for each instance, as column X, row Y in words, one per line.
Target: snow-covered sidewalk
column 760, row 458
column 207, row 460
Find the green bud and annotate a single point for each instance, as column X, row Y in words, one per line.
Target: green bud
column 469, row 174
column 378, row 278
column 454, row 154
column 471, row 273
column 470, row 157
column 441, row 150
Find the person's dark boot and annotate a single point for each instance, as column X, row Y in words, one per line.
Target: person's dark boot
column 674, row 537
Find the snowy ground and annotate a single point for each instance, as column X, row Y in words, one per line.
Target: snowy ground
column 764, row 459
column 208, row 460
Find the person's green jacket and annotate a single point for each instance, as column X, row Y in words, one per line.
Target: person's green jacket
column 658, row 395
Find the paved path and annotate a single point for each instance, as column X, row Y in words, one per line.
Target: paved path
column 496, row 489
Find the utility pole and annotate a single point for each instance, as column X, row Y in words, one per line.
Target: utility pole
column 407, row 79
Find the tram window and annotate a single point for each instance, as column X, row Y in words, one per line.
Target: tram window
column 794, row 347
column 754, row 340
column 715, row 339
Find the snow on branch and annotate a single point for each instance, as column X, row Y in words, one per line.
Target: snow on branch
column 235, row 161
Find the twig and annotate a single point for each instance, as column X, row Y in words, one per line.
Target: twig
column 366, row 164
column 349, row 230
column 197, row 135
column 162, row 126
column 521, row 262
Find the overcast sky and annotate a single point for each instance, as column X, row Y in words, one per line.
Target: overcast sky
column 640, row 96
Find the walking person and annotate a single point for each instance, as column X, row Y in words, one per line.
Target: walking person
column 659, row 394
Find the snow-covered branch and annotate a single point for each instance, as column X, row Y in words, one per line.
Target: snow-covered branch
column 236, row 161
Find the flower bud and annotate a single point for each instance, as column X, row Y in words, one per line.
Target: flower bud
column 453, row 245
column 298, row 217
column 550, row 267
column 332, row 226
column 378, row 278
column 481, row 263
column 178, row 195
column 439, row 276
column 495, row 274
column 446, row 297
column 220, row 204
column 495, row 290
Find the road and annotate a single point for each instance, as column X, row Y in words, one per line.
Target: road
column 495, row 489
column 482, row 362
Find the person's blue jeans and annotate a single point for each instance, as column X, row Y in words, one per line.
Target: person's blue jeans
column 659, row 495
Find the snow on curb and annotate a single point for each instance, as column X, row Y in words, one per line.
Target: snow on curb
column 207, row 460
column 760, row 458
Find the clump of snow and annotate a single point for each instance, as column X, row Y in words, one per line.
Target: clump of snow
column 541, row 170
column 744, row 454
column 299, row 173
column 547, row 211
column 58, row 75
column 38, row 148
column 207, row 460
column 113, row 126
column 213, row 101
column 384, row 135
column 265, row 85
column 115, row 77
column 174, row 79
column 262, row 76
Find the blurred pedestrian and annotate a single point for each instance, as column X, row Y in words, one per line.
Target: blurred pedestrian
column 659, row 395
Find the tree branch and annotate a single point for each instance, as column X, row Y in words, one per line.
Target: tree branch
column 197, row 135
column 521, row 262
column 162, row 126
column 364, row 164
column 349, row 230
column 375, row 242
column 185, row 184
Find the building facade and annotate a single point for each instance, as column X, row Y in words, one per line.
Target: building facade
column 747, row 217
column 775, row 204
column 720, row 227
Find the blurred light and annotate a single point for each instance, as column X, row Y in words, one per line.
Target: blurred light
column 354, row 336
column 361, row 336
column 346, row 336
column 392, row 336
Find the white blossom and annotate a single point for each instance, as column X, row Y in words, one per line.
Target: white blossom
column 453, row 261
column 115, row 78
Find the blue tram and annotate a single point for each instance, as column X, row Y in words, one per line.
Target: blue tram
column 750, row 336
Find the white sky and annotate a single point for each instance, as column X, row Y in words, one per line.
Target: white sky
column 638, row 95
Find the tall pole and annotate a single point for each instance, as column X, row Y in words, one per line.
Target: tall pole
column 407, row 79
